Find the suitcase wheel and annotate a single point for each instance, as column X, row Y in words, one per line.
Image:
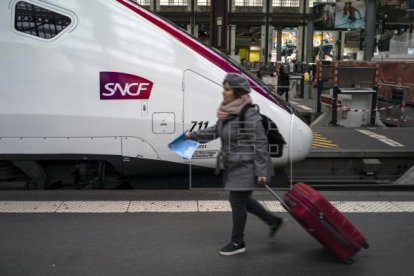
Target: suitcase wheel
column 365, row 245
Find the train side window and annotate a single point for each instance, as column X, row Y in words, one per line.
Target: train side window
column 38, row 21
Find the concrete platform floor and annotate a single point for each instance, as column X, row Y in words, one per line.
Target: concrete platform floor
column 187, row 242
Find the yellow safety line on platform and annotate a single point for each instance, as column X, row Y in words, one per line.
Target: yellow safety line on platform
column 321, row 142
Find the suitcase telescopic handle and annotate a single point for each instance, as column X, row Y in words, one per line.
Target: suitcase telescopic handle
column 277, row 197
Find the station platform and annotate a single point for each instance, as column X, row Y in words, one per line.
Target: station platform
column 364, row 139
column 180, row 232
column 353, row 155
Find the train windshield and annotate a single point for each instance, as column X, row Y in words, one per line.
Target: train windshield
column 239, row 67
column 271, row 96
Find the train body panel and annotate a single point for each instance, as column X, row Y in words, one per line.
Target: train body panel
column 116, row 81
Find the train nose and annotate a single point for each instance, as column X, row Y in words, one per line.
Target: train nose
column 300, row 139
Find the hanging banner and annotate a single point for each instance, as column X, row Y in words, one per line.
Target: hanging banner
column 324, row 16
column 350, row 14
column 343, row 14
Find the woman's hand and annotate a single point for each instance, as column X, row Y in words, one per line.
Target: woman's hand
column 262, row 180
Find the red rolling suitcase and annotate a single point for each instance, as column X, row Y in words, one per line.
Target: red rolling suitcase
column 323, row 221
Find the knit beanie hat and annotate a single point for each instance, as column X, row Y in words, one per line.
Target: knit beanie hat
column 238, row 83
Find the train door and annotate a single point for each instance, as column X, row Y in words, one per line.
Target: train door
column 201, row 99
column 147, row 160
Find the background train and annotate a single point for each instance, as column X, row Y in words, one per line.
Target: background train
column 93, row 91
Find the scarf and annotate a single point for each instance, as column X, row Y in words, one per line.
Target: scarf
column 234, row 107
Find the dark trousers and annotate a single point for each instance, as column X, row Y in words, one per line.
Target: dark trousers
column 241, row 202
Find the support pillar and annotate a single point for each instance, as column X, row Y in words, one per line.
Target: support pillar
column 370, row 30
column 266, row 34
column 192, row 29
column 219, row 20
column 191, row 8
column 302, row 33
column 300, row 47
column 279, row 43
column 309, row 41
column 339, row 45
column 232, row 39
column 263, row 48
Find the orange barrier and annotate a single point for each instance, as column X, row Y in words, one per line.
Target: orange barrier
column 390, row 76
column 397, row 75
column 330, row 72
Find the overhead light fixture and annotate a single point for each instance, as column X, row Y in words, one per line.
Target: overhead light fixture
column 253, row 40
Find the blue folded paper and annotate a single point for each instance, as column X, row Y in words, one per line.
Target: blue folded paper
column 183, row 147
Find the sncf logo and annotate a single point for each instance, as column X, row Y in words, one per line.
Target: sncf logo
column 121, row 86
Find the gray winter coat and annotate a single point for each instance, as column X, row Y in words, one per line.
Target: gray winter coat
column 244, row 154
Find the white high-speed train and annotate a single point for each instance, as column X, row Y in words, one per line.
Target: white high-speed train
column 98, row 88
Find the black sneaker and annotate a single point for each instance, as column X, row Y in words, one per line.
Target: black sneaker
column 232, row 249
column 275, row 228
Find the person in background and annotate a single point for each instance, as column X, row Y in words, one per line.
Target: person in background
column 283, row 81
column 244, row 158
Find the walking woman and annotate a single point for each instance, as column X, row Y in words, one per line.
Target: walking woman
column 243, row 157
